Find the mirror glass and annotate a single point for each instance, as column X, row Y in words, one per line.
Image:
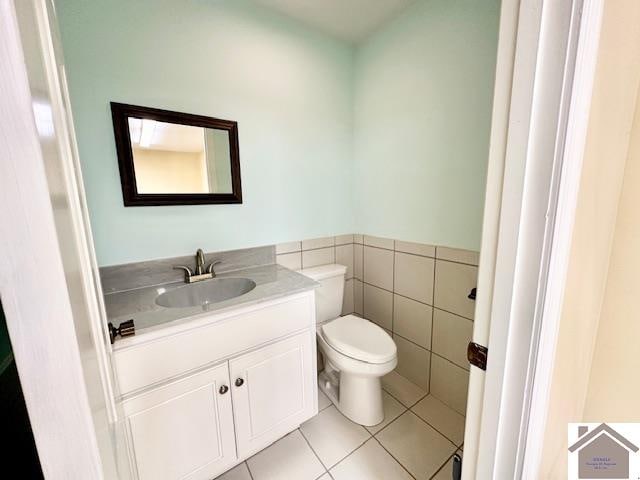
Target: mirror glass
column 173, row 158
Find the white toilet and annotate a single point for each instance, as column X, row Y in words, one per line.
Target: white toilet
column 357, row 352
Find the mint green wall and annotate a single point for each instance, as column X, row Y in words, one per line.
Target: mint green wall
column 288, row 88
column 423, row 92
column 388, row 138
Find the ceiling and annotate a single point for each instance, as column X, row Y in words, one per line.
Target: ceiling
column 349, row 20
column 169, row 137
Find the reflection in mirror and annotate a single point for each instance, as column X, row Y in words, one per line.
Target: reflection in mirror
column 173, row 158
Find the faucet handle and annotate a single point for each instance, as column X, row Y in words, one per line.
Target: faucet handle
column 211, row 265
column 187, row 271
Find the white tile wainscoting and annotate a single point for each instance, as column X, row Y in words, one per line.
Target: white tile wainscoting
column 417, row 293
column 417, row 440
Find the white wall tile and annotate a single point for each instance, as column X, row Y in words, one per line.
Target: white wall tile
column 318, row 243
column 358, row 297
column 378, row 242
column 457, row 255
column 378, row 267
column 344, row 256
column 378, row 305
column 292, row 261
column 358, row 259
column 412, row 320
column 453, row 283
column 414, row 277
column 288, row 247
column 344, row 239
column 415, row 248
column 449, row 383
column 413, row 362
column 322, row 256
column 347, row 301
column 451, row 335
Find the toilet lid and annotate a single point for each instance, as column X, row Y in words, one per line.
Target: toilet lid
column 358, row 338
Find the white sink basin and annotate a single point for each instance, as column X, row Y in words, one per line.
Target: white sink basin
column 202, row 294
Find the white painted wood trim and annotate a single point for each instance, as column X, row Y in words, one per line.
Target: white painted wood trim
column 490, row 226
column 32, row 282
column 544, row 68
column 70, row 159
column 577, row 127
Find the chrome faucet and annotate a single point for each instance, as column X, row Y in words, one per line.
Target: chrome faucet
column 199, row 274
column 199, row 262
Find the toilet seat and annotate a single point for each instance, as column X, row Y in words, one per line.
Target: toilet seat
column 359, row 339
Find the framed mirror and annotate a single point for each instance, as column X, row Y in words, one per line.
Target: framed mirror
column 172, row 158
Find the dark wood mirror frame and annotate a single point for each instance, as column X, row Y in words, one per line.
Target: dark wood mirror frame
column 121, row 112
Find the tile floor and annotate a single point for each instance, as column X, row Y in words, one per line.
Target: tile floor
column 417, row 440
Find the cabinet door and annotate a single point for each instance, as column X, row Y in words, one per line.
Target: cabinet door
column 183, row 430
column 274, row 390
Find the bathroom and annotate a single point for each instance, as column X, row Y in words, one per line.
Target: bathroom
column 323, row 240
column 368, row 151
column 358, row 137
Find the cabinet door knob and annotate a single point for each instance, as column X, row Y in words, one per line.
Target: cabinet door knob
column 223, row 389
column 239, row 382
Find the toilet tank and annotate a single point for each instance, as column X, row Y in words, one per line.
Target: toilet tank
column 331, row 291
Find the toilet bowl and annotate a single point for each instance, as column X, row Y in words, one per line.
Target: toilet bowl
column 356, row 352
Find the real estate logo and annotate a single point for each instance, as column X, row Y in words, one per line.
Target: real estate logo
column 604, row 450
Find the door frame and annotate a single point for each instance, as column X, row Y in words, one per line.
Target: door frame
column 510, row 284
column 54, row 310
column 536, row 162
column 33, row 286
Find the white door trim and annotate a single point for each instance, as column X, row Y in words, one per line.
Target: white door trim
column 548, row 78
column 32, row 282
column 39, row 23
column 548, row 319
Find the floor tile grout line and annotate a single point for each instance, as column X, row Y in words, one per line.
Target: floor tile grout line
column 442, row 466
column 326, row 470
column 392, row 456
column 390, row 423
column 249, row 469
column 401, row 402
column 445, row 436
column 369, row 437
column 427, row 423
column 351, row 452
column 410, row 409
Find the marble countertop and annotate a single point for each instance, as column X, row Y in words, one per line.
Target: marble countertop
column 272, row 281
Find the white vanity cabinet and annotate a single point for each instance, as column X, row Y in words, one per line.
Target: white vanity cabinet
column 183, row 430
column 273, row 390
column 200, row 422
